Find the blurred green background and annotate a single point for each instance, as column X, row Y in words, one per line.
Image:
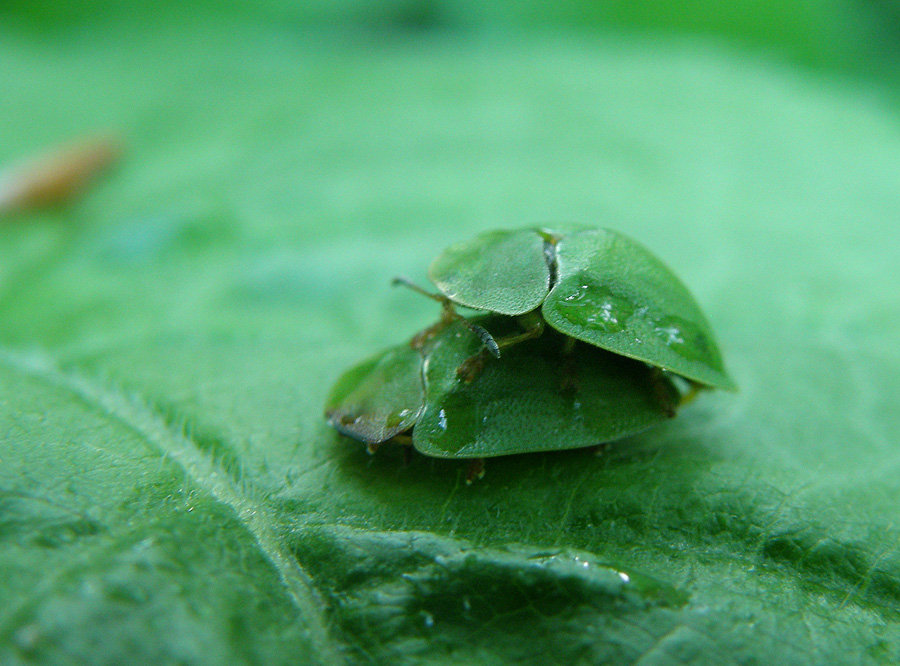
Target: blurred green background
column 813, row 32
column 169, row 492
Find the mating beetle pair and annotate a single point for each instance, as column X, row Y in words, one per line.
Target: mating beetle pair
column 547, row 392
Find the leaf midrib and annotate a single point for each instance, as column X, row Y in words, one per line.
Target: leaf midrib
column 149, row 426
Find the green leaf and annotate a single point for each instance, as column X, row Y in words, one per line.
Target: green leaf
column 169, row 489
column 123, row 543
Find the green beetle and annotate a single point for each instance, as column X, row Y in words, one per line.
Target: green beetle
column 545, row 395
column 596, row 285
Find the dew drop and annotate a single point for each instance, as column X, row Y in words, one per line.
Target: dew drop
column 670, row 335
column 458, row 422
column 683, row 337
column 394, row 419
column 596, row 307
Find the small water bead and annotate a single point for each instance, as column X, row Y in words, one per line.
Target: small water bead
column 683, row 337
column 671, row 336
column 597, row 307
column 458, row 422
column 394, row 419
column 594, row 308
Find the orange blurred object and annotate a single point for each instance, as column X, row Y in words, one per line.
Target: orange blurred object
column 56, row 177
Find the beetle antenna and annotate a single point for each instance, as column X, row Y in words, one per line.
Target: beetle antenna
column 450, row 314
column 409, row 284
column 486, row 338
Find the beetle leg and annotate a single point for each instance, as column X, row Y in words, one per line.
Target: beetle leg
column 533, row 325
column 693, row 391
column 475, row 470
column 530, row 333
column 472, row 367
column 661, row 392
column 569, row 381
column 448, row 315
column 601, row 449
column 405, row 440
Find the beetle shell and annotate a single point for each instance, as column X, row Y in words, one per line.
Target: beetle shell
column 538, row 398
column 596, row 285
column 379, row 397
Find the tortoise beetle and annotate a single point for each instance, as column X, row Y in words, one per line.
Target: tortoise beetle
column 596, row 285
column 641, row 325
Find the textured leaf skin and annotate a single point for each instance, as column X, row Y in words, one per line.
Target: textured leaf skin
column 118, row 539
column 169, row 490
column 492, row 605
column 613, row 293
column 498, row 271
column 534, row 398
column 380, row 397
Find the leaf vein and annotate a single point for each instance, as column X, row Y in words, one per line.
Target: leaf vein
column 135, row 414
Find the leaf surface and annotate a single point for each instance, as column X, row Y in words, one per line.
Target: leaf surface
column 169, row 490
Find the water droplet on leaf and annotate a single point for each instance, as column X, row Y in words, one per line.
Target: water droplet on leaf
column 597, row 307
column 683, row 337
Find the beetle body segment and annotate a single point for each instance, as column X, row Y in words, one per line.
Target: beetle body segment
column 539, row 398
column 380, row 397
column 499, row 271
column 613, row 293
column 599, row 286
